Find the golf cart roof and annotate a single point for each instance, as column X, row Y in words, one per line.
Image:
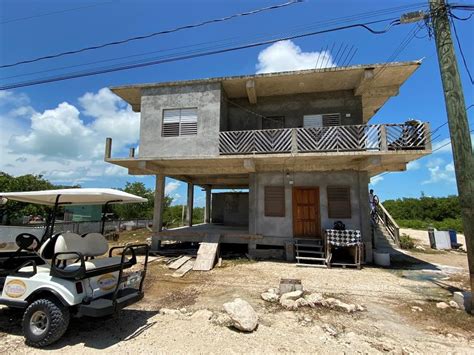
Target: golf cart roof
column 88, row 196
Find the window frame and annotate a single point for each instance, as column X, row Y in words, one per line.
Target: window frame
column 180, row 123
column 341, row 213
column 268, row 209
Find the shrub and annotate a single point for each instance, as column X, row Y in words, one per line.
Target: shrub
column 406, row 242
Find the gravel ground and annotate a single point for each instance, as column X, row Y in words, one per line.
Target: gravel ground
column 388, row 325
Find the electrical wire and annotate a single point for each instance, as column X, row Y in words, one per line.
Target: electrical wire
column 195, row 55
column 461, row 51
column 154, row 34
column 314, row 26
column 54, row 12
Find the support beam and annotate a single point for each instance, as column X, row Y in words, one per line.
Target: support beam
column 190, row 205
column 249, row 165
column 207, row 210
column 108, row 148
column 158, row 209
column 370, row 162
column 364, row 81
column 251, row 91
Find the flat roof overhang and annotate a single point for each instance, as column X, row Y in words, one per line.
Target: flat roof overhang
column 232, row 171
column 375, row 83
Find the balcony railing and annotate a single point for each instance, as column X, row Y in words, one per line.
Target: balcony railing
column 385, row 137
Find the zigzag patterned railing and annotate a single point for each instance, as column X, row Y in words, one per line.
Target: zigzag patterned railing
column 325, row 139
column 248, row 142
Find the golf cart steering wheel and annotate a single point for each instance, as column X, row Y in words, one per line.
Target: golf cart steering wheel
column 27, row 241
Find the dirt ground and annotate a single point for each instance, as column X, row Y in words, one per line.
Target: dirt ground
column 389, row 324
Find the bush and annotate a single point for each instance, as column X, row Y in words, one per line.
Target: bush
column 406, row 242
column 445, row 224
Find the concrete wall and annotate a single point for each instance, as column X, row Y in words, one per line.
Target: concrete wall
column 230, row 208
column 206, row 97
column 294, row 107
column 274, row 228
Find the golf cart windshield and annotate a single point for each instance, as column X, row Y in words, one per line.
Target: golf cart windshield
column 72, row 197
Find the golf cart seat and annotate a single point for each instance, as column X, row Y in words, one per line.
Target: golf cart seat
column 75, row 256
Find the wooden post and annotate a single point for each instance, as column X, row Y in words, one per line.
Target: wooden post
column 383, row 138
column 458, row 126
column 427, row 137
column 108, row 148
column 189, row 210
column 207, row 210
column 158, row 210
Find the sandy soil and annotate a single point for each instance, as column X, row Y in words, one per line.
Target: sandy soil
column 388, row 325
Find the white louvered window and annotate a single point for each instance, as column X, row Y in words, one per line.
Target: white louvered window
column 327, row 119
column 179, row 122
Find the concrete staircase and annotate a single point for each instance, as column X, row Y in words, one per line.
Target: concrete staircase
column 383, row 241
column 310, row 252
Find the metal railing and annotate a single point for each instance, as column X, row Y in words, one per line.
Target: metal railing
column 384, row 137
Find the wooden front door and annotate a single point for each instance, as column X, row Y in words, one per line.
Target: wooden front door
column 306, row 218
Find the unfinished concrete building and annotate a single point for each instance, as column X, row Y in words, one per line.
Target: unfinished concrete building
column 297, row 145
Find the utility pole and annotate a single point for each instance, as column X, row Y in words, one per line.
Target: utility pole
column 458, row 126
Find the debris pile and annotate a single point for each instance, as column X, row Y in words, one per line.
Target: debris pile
column 295, row 299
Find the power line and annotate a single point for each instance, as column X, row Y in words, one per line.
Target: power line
column 195, row 55
column 154, row 34
column 461, row 51
column 294, row 30
column 53, row 13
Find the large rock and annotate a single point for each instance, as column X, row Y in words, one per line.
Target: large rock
column 314, row 299
column 339, row 305
column 271, row 295
column 294, row 295
column 289, row 304
column 242, row 314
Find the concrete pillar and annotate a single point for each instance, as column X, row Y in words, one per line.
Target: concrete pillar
column 190, row 205
column 207, row 210
column 365, row 215
column 253, row 199
column 158, row 210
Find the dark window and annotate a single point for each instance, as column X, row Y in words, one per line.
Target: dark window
column 339, row 201
column 331, row 119
column 273, row 122
column 274, row 201
column 179, row 122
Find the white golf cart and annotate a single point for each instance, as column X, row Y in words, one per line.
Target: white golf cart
column 66, row 274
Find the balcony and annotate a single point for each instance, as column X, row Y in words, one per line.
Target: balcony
column 357, row 138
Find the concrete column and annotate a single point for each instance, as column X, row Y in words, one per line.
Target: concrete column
column 190, row 205
column 207, row 210
column 158, row 210
column 365, row 215
column 253, row 207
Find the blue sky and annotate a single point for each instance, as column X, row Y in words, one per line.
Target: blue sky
column 59, row 129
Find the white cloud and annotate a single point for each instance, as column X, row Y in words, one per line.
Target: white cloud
column 171, row 187
column 413, row 165
column 376, row 179
column 440, row 172
column 60, row 143
column 286, row 56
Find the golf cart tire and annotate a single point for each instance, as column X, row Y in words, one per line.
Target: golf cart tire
column 57, row 322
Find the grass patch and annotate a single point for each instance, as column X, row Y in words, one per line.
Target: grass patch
column 406, row 242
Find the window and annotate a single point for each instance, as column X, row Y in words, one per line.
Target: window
column 326, row 120
column 339, row 201
column 179, row 122
column 274, row 201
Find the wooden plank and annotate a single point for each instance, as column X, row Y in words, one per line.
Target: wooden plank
column 184, row 269
column 207, row 253
column 178, row 263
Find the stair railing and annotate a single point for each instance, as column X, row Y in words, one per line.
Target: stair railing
column 387, row 220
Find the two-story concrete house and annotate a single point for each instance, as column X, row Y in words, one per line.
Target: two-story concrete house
column 297, row 145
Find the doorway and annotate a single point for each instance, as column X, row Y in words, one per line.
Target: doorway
column 306, row 212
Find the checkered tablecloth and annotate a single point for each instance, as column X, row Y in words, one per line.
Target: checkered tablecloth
column 343, row 238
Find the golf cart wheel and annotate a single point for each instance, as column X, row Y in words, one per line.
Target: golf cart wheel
column 44, row 322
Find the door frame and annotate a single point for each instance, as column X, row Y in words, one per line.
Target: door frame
column 318, row 208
